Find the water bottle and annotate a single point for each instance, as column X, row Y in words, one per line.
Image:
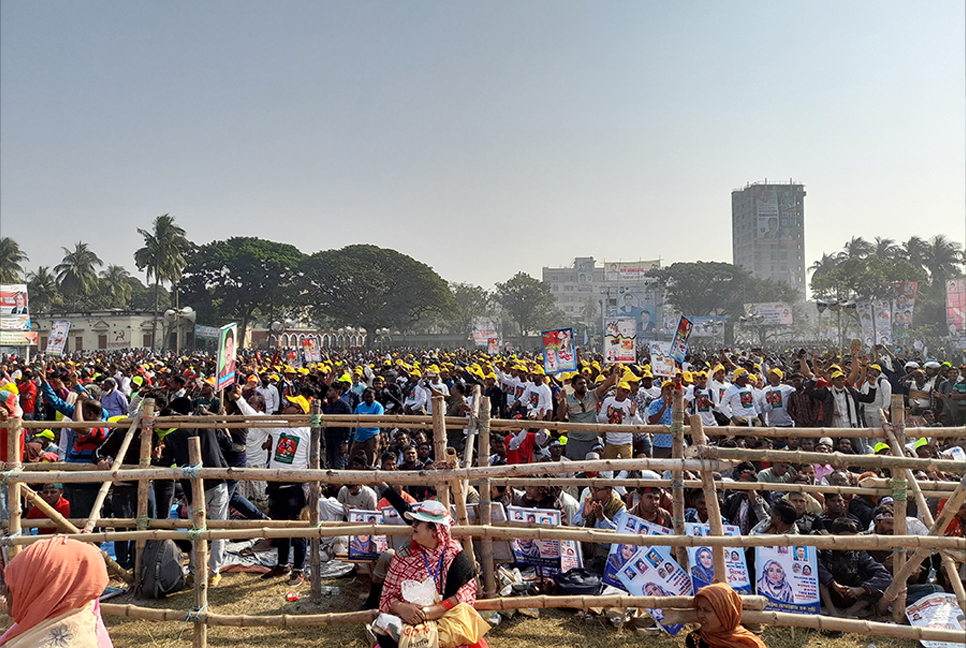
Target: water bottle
column 330, row 591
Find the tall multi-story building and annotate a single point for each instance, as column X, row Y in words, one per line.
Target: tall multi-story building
column 768, row 231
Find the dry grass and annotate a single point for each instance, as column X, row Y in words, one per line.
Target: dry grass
column 247, row 594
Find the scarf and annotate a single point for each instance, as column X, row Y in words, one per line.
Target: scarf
column 727, row 607
column 780, row 591
column 844, row 407
column 51, row 578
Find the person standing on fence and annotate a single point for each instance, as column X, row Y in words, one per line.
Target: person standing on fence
column 289, row 450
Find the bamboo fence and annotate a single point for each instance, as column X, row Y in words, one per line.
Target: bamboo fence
column 451, row 482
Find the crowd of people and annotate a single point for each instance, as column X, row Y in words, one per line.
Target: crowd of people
column 790, row 389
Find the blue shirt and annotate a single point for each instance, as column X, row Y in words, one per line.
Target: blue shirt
column 661, row 440
column 362, row 433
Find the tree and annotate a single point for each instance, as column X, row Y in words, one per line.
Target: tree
column 942, row 258
column 864, row 279
column 469, row 301
column 163, row 257
column 714, row 288
column 885, row 248
column 914, row 251
column 76, row 274
column 823, row 266
column 241, row 278
column 528, row 302
column 115, row 287
column 857, row 248
column 373, row 287
column 11, row 261
column 43, row 289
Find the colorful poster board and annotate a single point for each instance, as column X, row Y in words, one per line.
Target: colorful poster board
column 652, row 571
column 620, row 340
column 366, row 547
column 956, row 307
column 310, row 349
column 227, row 345
column 903, row 305
column 548, row 556
column 679, row 345
column 493, row 346
column 766, row 208
column 483, row 330
column 662, row 364
column 558, row 350
column 939, row 611
column 882, row 312
column 788, row 578
column 58, row 338
column 702, row 560
column 15, row 316
column 771, row 313
column 621, row 554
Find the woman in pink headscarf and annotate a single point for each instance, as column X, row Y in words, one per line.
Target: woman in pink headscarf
column 53, row 588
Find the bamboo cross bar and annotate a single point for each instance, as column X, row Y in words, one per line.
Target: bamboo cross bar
column 835, row 459
column 106, row 486
column 868, row 628
column 62, row 523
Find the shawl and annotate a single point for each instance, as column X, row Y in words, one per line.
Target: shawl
column 699, row 571
column 780, row 591
column 727, row 607
column 52, row 578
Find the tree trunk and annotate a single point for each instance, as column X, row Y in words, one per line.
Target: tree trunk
column 154, row 324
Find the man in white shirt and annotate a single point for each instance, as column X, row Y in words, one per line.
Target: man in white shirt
column 538, row 397
column 619, row 410
column 702, row 400
column 269, row 392
column 774, row 402
column 738, row 402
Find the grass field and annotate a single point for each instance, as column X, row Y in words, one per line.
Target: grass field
column 247, row 594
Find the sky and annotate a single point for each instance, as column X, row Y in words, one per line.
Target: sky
column 481, row 138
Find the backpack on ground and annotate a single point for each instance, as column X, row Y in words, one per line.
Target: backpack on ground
column 161, row 569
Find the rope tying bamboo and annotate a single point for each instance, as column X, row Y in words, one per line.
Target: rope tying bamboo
column 7, row 541
column 190, row 472
column 142, row 523
column 900, row 489
column 194, row 533
column 7, row 473
column 315, row 420
column 194, row 614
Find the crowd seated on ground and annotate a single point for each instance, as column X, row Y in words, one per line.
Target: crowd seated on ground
column 751, row 389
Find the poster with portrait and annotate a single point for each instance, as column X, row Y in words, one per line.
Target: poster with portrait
column 585, row 275
column 620, row 340
column 866, row 317
column 14, row 309
column 702, row 560
column 227, row 353
column 771, row 313
column 788, row 578
column 903, row 305
column 310, row 349
column 366, row 547
column 956, row 307
column 58, row 338
column 941, row 612
column 706, row 326
column 882, row 312
column 502, row 551
column 558, row 350
column 679, row 345
column 548, row 556
column 483, row 330
column 493, row 346
column 652, row 571
column 620, row 554
column 766, row 208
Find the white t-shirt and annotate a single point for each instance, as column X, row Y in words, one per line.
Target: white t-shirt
column 702, row 402
column 539, row 398
column 774, row 405
column 290, row 448
column 617, row 413
column 739, row 401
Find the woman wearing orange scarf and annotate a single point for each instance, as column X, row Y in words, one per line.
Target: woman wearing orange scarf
column 53, row 589
column 718, row 609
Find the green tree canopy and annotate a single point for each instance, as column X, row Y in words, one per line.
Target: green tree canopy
column 11, row 261
column 241, row 278
column 163, row 257
column 529, row 303
column 43, row 289
column 714, row 288
column 365, row 285
column 76, row 274
column 864, row 279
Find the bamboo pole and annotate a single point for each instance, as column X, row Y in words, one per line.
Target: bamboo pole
column 677, row 475
column 485, row 510
column 131, row 523
column 462, row 518
column 937, row 529
column 509, row 531
column 711, row 498
column 315, row 494
column 835, row 459
column 62, row 523
column 899, row 505
column 106, row 486
column 144, row 485
column 669, row 603
column 14, row 462
column 424, row 422
column 198, row 516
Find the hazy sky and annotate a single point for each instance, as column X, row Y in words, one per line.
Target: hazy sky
column 478, row 137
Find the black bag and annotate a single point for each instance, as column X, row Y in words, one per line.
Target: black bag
column 579, row 582
column 162, row 573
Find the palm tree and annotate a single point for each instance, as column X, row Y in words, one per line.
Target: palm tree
column 115, row 286
column 43, row 289
column 914, row 251
column 76, row 274
column 942, row 258
column 163, row 257
column 885, row 248
column 823, row 266
column 857, row 248
column 11, row 261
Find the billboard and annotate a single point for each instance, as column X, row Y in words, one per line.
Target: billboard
column 15, row 316
column 558, row 350
column 585, row 275
column 620, row 340
column 903, row 305
column 58, row 338
column 766, row 210
column 629, row 271
column 771, row 313
column 706, row 326
column 483, row 330
column 956, row 306
column 226, row 356
column 639, row 304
